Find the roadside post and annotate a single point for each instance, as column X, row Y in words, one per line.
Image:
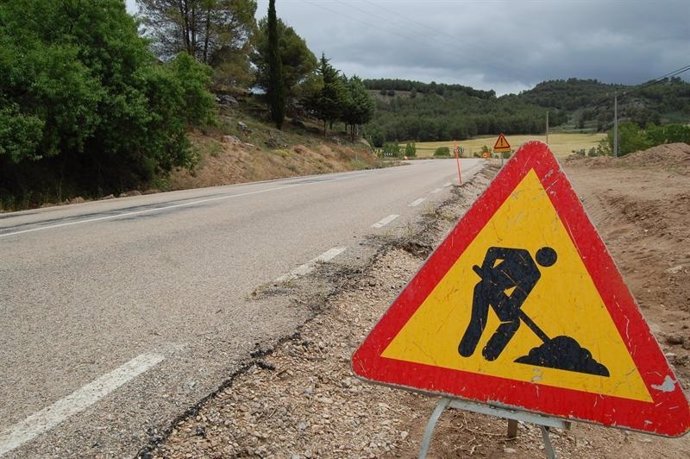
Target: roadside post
column 521, row 313
column 502, row 146
column 457, row 160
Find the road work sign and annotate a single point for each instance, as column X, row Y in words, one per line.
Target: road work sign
column 523, row 307
column 501, row 145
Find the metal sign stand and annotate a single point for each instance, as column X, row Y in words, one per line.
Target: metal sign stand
column 513, row 416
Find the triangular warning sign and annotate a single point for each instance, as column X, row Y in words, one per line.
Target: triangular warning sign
column 522, row 306
column 502, row 143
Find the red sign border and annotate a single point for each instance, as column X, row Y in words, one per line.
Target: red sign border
column 506, row 147
column 668, row 414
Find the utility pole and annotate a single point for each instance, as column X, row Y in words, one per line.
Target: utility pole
column 615, row 125
column 547, row 127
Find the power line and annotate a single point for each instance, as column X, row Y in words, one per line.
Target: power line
column 440, row 37
column 340, row 13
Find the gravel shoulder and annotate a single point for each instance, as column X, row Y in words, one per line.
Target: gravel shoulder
column 299, row 398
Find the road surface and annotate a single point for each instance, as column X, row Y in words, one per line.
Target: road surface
column 119, row 315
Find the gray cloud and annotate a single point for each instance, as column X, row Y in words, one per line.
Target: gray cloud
column 503, row 45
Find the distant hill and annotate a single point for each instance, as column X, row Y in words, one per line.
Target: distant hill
column 411, row 110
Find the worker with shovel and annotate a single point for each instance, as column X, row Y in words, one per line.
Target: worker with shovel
column 507, row 277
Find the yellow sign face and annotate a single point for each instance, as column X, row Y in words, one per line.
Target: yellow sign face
column 501, row 144
column 564, row 306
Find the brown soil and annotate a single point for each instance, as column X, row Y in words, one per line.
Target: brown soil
column 302, row 400
column 229, row 160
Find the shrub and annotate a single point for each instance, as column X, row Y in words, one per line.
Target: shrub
column 391, row 149
column 442, row 151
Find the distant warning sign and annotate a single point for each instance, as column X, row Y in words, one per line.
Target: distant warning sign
column 501, row 145
column 522, row 306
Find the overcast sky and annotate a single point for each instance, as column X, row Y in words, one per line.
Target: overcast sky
column 508, row 46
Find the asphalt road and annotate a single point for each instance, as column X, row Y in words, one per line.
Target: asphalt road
column 118, row 315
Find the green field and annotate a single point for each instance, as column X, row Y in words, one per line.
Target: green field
column 561, row 144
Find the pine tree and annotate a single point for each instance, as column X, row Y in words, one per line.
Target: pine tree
column 329, row 98
column 358, row 106
column 276, row 87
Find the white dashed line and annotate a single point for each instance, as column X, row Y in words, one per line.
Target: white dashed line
column 437, row 190
column 77, row 401
column 384, row 221
column 448, row 184
column 417, row 202
column 311, row 265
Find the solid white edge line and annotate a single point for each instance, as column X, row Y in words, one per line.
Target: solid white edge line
column 51, row 416
column 173, row 206
column 417, row 202
column 145, row 211
column 308, row 267
column 384, row 221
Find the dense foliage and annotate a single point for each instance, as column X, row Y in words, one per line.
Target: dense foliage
column 200, row 28
column 328, row 94
column 298, row 62
column 590, row 102
column 410, row 110
column 215, row 32
column 84, row 107
column 454, row 116
column 387, row 84
column 632, row 138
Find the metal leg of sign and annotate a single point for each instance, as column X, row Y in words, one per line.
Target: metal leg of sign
column 543, row 421
column 512, row 428
column 548, row 447
column 431, row 425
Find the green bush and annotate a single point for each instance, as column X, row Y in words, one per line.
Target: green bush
column 442, row 151
column 391, row 149
column 410, row 150
column 85, row 108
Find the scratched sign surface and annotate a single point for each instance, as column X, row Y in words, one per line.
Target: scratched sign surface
column 522, row 306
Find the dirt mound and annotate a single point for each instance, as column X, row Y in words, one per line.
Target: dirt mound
column 669, row 155
column 673, row 157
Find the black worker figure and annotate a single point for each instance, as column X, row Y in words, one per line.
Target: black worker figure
column 507, row 277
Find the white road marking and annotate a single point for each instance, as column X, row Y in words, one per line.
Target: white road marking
column 308, row 267
column 384, row 221
column 77, row 401
column 145, row 211
column 172, row 206
column 417, row 202
column 437, row 190
column 448, row 184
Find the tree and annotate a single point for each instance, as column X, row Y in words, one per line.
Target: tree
column 276, row 85
column 84, row 106
column 631, row 138
column 358, row 106
column 297, row 60
column 200, row 28
column 328, row 95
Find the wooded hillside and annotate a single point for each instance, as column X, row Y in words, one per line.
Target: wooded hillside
column 410, row 110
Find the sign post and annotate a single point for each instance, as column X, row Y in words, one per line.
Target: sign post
column 522, row 308
column 457, row 160
column 502, row 146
